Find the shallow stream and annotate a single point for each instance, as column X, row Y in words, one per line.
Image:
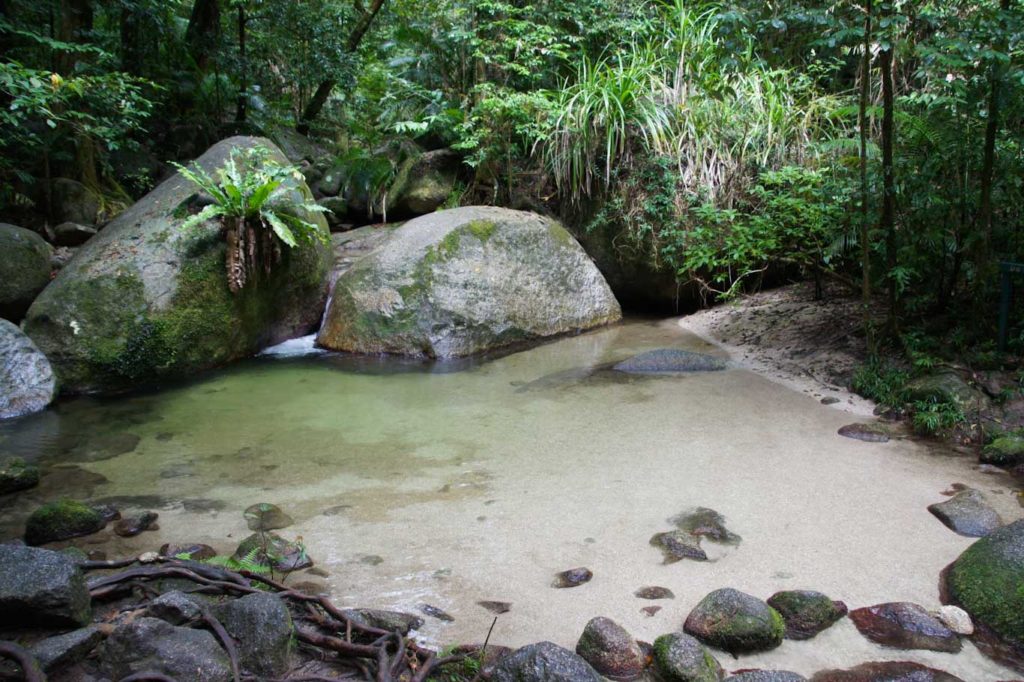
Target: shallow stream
column 452, row 484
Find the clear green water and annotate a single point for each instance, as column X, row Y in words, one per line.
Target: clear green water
column 448, row 485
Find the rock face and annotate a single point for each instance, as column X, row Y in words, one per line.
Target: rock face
column 986, row 581
column 62, row 520
column 681, row 658
column 41, row 587
column 903, row 625
column 151, row 645
column 806, row 613
column 889, row 671
column 24, row 269
column 262, row 626
column 967, row 513
column 611, row 650
column 424, row 183
column 145, row 300
column 27, row 383
column 670, row 361
column 733, row 621
column 464, row 281
column 543, row 662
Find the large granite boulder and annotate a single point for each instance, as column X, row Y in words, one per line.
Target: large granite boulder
column 987, row 580
column 24, row 269
column 27, row 383
column 145, row 300
column 153, row 646
column 41, row 587
column 464, row 281
column 543, row 662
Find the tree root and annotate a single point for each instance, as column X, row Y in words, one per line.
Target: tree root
column 30, row 669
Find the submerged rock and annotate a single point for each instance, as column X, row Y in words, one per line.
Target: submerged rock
column 869, row 433
column 903, row 625
column 706, row 523
column 610, row 650
column 669, row 361
column 766, row 676
column 196, row 552
column 27, row 383
column 543, row 662
column 24, row 269
column 736, row 622
column 464, row 281
column 270, row 549
column 574, row 577
column 888, row 671
column 677, row 545
column 151, row 645
column 134, row 525
column 986, row 581
column 265, row 516
column 385, row 620
column 437, row 613
column 262, row 626
column 145, row 300
column 805, row 612
column 496, row 607
column 39, row 587
column 681, row 658
column 654, row 592
column 16, row 474
column 1007, row 451
column 967, row 513
column 62, row 520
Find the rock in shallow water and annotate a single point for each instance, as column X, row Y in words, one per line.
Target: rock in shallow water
column 385, row 620
column 736, row 622
column 806, row 612
column 956, row 619
column 464, row 281
column 681, row 658
column 135, row 525
column 39, row 587
column 543, row 662
column 266, row 516
column 574, row 577
column 967, row 513
column 62, row 520
column 27, row 382
column 270, row 549
column 610, row 650
column 888, row 671
column 670, row 361
column 702, row 522
column 435, row 612
column 869, row 433
column 676, row 545
column 16, row 474
column 903, row 625
column 654, row 592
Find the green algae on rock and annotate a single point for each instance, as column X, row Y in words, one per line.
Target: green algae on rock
column 145, row 300
column 1006, row 451
column 62, row 520
column 736, row 622
column 465, row 281
column 681, row 658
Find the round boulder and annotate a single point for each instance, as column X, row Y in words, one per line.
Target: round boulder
column 806, row 612
column 611, row 650
column 967, row 513
column 681, row 658
column 62, row 520
column 24, row 269
column 736, row 622
column 464, row 281
column 543, row 662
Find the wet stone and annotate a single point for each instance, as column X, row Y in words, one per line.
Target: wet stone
column 62, row 520
column 888, row 671
column 806, row 612
column 736, row 622
column 194, row 552
column 677, row 545
column 707, row 523
column 385, row 620
column 135, row 525
column 265, row 516
column 903, row 625
column 16, row 474
column 654, row 592
column 829, row 400
column 435, row 612
column 54, row 653
column 270, row 549
column 670, row 361
column 174, row 607
column 336, row 509
column 765, row 676
column 956, row 619
column 496, row 607
column 650, row 611
column 967, row 513
column 202, row 505
column 681, row 658
column 543, row 662
column 610, row 650
column 574, row 577
column 869, row 433
column 108, row 511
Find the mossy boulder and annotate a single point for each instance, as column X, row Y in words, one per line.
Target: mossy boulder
column 16, row 474
column 736, row 622
column 681, row 658
column 464, row 281
column 423, row 183
column 27, row 383
column 1006, row 451
column 62, row 520
column 987, row 580
column 805, row 612
column 24, row 269
column 947, row 386
column 145, row 300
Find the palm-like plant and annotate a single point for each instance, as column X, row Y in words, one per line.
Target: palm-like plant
column 257, row 209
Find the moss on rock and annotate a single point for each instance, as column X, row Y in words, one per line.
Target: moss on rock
column 62, row 520
column 1007, row 451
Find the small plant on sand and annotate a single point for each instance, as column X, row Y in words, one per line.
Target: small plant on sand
column 258, row 211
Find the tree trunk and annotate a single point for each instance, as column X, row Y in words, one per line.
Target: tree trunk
column 323, row 91
column 203, row 32
column 888, row 219
column 243, row 94
column 131, row 46
column 74, row 27
column 865, row 220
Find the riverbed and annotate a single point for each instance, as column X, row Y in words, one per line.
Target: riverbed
column 449, row 484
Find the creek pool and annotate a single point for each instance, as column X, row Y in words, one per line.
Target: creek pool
column 447, row 485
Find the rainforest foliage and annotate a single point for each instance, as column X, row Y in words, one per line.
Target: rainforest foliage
column 876, row 143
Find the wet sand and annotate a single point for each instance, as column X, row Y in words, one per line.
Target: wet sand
column 451, row 488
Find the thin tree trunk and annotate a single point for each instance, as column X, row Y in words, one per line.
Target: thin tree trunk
column 323, row 91
column 75, row 25
column 888, row 218
column 865, row 220
column 131, row 46
column 243, row 91
column 203, row 32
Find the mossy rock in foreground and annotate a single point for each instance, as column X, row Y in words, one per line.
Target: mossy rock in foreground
column 736, row 622
column 1007, row 451
column 987, row 580
column 145, row 300
column 62, row 520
